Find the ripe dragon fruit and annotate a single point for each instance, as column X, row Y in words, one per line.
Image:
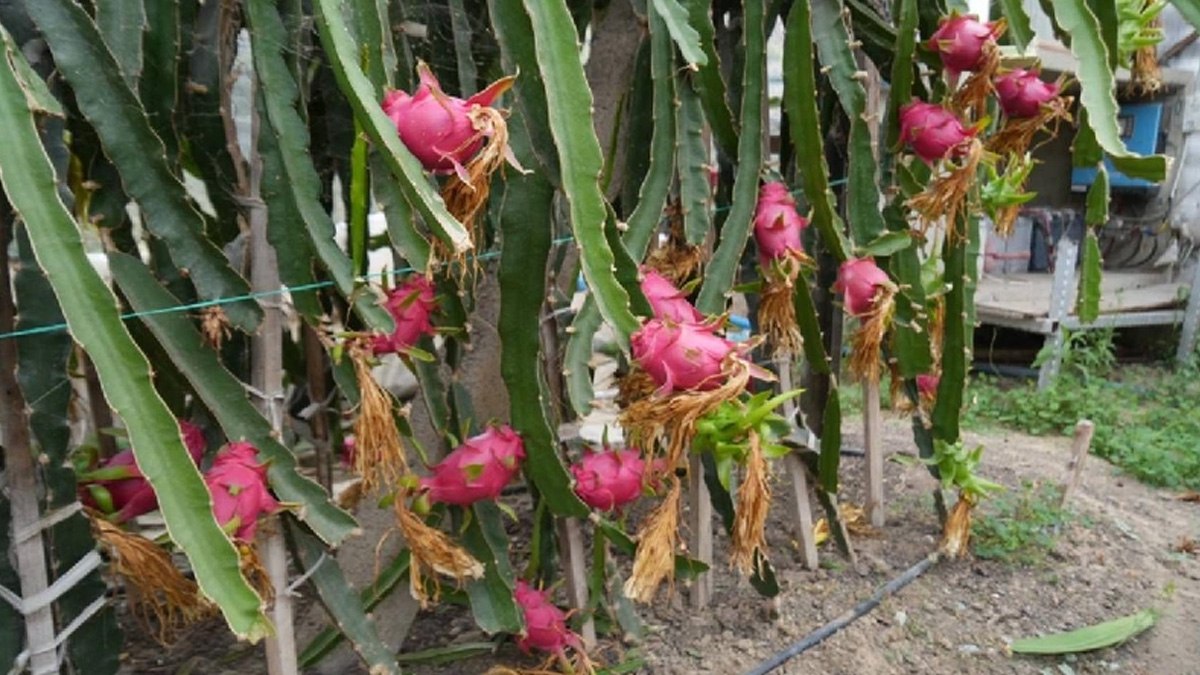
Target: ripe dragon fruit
column 545, row 624
column 1022, row 92
column 436, row 127
column 681, row 356
column 610, row 479
column 238, row 485
column 777, row 225
column 927, row 385
column 961, row 40
column 932, row 131
column 667, row 301
column 478, row 469
column 859, row 279
column 118, row 487
column 410, row 304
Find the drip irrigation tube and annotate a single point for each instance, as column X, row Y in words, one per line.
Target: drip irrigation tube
column 816, row 637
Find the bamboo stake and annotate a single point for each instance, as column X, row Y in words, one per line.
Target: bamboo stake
column 700, row 525
column 266, row 358
column 21, row 474
column 801, row 507
column 1079, row 452
column 570, row 541
column 871, row 434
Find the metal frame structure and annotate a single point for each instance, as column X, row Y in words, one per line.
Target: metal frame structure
column 1059, row 318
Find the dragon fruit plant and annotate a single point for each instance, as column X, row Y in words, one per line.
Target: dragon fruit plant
column 507, row 178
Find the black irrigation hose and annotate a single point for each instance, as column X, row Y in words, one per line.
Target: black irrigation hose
column 816, row 637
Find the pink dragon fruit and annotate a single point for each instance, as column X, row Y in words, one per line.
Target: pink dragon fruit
column 118, row 486
column 932, row 131
column 927, row 385
column 667, row 301
column 436, row 127
column 478, row 469
column 960, row 40
column 860, row 279
column 410, row 304
column 681, row 356
column 1022, row 92
column 238, row 485
column 777, row 225
column 609, row 480
column 545, row 625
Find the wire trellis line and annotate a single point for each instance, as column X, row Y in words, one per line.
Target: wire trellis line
column 302, row 288
column 216, row 302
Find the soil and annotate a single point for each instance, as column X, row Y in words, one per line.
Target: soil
column 1119, row 554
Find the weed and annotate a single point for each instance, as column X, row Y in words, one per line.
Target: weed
column 1020, row 527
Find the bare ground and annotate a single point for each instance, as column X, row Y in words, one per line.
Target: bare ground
column 1116, row 557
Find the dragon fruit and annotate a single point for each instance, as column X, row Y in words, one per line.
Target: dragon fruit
column 777, row 225
column 667, row 301
column 859, row 279
column 961, row 40
column 1022, row 92
column 932, row 131
column 684, row 356
column 410, row 304
column 478, row 469
column 436, row 127
column 118, row 487
column 238, row 485
column 610, row 479
column 545, row 624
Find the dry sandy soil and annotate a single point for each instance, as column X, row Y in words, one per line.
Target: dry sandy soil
column 1118, row 555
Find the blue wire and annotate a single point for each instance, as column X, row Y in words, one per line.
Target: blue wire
column 487, row 255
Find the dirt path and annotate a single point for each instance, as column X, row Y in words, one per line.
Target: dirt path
column 1116, row 558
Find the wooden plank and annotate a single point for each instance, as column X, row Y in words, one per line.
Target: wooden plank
column 1024, row 296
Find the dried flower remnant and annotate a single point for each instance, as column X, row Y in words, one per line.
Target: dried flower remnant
column 433, row 552
column 159, row 597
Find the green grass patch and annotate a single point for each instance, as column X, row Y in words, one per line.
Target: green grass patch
column 1147, row 418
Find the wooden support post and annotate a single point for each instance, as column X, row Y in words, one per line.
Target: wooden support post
column 802, row 511
column 20, row 473
column 266, row 377
column 1191, row 321
column 570, row 547
column 871, row 434
column 800, row 506
column 700, row 525
column 1079, row 452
